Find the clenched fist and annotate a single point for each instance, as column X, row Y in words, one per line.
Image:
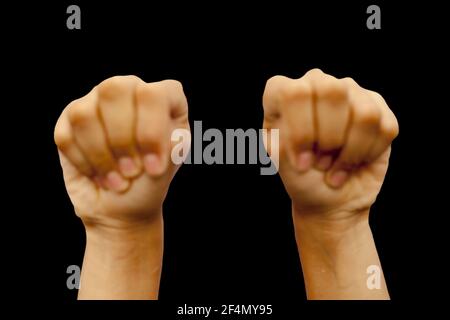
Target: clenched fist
column 334, row 149
column 115, row 144
column 335, row 141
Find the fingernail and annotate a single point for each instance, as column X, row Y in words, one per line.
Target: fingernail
column 304, row 160
column 338, row 178
column 324, row 162
column 153, row 164
column 115, row 181
column 128, row 167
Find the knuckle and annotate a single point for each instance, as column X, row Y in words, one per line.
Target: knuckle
column 350, row 83
column 80, row 112
column 377, row 96
column 62, row 137
column 271, row 88
column 149, row 92
column 332, row 90
column 270, row 95
column 274, row 83
column 391, row 130
column 117, row 85
column 173, row 84
column 295, row 91
column 366, row 114
column 315, row 72
column 275, row 80
column 349, row 80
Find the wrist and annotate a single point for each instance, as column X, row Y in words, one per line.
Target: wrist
column 335, row 252
column 121, row 236
column 333, row 232
column 122, row 227
column 332, row 223
column 122, row 262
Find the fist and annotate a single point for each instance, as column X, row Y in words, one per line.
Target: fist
column 115, row 146
column 335, row 139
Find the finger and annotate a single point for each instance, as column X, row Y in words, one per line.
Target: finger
column 116, row 103
column 65, row 142
column 90, row 137
column 332, row 116
column 271, row 97
column 388, row 130
column 296, row 107
column 178, row 105
column 362, row 131
column 153, row 120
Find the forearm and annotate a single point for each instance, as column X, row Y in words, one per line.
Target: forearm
column 335, row 256
column 123, row 263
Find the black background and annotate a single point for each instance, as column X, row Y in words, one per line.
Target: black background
column 228, row 231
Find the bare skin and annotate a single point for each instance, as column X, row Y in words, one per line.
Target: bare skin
column 334, row 149
column 114, row 145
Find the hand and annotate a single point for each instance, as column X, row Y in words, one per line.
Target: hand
column 115, row 145
column 334, row 145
